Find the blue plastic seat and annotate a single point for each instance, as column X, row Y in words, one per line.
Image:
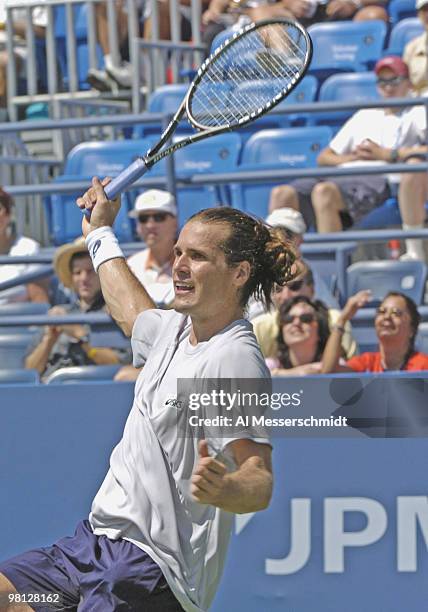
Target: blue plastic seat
column 77, row 374
column 348, row 87
column 304, row 93
column 283, row 148
column 65, row 219
column 15, row 347
column 346, row 46
column 388, row 214
column 380, row 277
column 401, row 9
column 19, row 376
column 402, row 33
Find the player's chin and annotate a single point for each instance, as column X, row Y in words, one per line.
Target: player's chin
column 183, row 304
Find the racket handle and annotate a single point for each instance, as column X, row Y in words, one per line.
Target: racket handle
column 123, row 180
column 126, row 178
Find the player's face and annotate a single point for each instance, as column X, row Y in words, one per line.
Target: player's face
column 84, row 278
column 204, row 285
column 392, row 321
column 156, row 228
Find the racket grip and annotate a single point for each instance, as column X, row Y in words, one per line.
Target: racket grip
column 123, row 180
column 126, row 178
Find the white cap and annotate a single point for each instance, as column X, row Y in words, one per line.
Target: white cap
column 289, row 218
column 154, row 200
column 420, row 4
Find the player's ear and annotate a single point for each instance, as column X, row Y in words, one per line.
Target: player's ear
column 242, row 273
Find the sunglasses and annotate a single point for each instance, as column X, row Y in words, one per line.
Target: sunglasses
column 306, row 317
column 293, row 286
column 394, row 81
column 394, row 312
column 157, row 217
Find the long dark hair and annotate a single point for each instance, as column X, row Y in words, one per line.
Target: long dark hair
column 321, row 315
column 415, row 319
column 269, row 253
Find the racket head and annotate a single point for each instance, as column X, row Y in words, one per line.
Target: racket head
column 274, row 54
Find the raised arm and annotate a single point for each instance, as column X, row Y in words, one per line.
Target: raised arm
column 332, row 351
column 248, row 489
column 125, row 296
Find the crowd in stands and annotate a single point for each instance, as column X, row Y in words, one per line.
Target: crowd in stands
column 305, row 331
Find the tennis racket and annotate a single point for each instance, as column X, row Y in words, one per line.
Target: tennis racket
column 273, row 54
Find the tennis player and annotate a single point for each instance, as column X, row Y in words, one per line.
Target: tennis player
column 158, row 532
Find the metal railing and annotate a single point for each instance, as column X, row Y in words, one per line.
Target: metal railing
column 59, row 58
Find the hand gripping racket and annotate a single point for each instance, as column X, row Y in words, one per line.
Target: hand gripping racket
column 273, row 54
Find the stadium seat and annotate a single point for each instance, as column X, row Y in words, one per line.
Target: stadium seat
column 422, row 338
column 65, row 219
column 346, row 46
column 165, row 99
column 380, row 277
column 388, row 214
column 352, row 87
column 402, row 33
column 272, row 150
column 19, row 376
column 77, row 374
column 14, row 348
column 304, row 93
column 401, row 9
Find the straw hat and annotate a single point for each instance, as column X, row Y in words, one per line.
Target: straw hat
column 63, row 257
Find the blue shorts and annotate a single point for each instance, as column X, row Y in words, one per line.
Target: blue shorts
column 93, row 574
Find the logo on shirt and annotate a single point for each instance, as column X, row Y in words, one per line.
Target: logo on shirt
column 96, row 247
column 173, row 402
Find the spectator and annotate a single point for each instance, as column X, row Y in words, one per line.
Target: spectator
column 396, row 324
column 15, row 246
column 266, row 326
column 415, row 53
column 156, row 215
column 301, row 339
column 68, row 345
column 222, row 14
column 39, row 19
column 369, row 137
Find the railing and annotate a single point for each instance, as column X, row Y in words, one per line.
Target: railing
column 66, row 51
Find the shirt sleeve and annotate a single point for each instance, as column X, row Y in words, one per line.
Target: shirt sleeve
column 146, row 330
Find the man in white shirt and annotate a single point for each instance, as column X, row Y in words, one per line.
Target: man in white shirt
column 370, row 137
column 158, row 532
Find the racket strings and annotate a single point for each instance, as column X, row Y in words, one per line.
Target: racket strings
column 271, row 57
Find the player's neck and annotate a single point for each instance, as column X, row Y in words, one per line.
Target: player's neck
column 204, row 328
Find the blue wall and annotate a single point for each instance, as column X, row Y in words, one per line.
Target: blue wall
column 54, row 449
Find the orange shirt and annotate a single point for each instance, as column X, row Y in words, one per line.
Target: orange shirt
column 371, row 362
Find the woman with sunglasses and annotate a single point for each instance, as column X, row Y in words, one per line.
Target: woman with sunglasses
column 396, row 324
column 303, row 333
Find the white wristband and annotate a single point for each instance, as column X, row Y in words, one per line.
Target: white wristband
column 103, row 245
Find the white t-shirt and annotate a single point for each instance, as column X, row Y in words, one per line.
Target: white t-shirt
column 20, row 248
column 406, row 129
column 157, row 282
column 145, row 497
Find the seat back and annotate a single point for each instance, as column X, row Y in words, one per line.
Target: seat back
column 380, row 277
column 422, row 338
column 348, row 87
column 402, row 33
column 14, row 348
column 401, row 9
column 347, row 45
column 276, row 149
column 19, row 376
